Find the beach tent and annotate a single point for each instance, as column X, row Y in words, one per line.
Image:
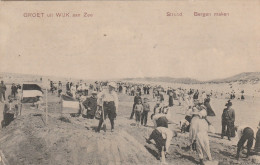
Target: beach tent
column 31, row 93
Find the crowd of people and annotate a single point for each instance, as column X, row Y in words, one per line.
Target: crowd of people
column 103, row 103
column 100, row 100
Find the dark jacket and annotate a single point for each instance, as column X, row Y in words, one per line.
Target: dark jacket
column 90, row 104
column 2, row 88
column 14, row 89
column 228, row 115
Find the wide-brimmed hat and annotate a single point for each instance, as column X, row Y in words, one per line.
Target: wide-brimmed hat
column 229, row 103
column 112, row 84
column 94, row 93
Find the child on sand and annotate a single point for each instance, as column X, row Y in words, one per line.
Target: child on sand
column 138, row 112
column 146, row 109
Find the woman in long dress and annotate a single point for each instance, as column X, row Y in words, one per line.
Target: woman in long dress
column 199, row 132
column 210, row 111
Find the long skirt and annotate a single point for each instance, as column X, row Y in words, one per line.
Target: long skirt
column 202, row 144
column 197, row 125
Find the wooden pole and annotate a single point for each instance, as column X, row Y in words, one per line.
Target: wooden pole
column 21, row 98
column 46, row 106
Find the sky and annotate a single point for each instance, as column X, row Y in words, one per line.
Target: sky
column 125, row 40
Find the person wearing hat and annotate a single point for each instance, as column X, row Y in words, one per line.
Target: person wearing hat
column 91, row 105
column 228, row 120
column 10, row 110
column 108, row 100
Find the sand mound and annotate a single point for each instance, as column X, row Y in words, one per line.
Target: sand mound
column 28, row 141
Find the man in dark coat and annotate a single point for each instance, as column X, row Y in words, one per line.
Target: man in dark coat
column 91, row 105
column 13, row 90
column 228, row 120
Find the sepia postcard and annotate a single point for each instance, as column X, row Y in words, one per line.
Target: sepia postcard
column 142, row 82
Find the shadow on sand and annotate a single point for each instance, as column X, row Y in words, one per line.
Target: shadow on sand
column 188, row 157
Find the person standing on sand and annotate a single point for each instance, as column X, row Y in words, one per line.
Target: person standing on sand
column 199, row 132
column 2, row 91
column 138, row 111
column 170, row 99
column 136, row 100
column 210, row 111
column 146, row 110
column 109, row 101
column 13, row 90
column 228, row 120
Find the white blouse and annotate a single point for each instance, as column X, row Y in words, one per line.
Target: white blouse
column 106, row 96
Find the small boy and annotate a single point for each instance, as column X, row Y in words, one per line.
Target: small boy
column 146, row 110
column 138, row 112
